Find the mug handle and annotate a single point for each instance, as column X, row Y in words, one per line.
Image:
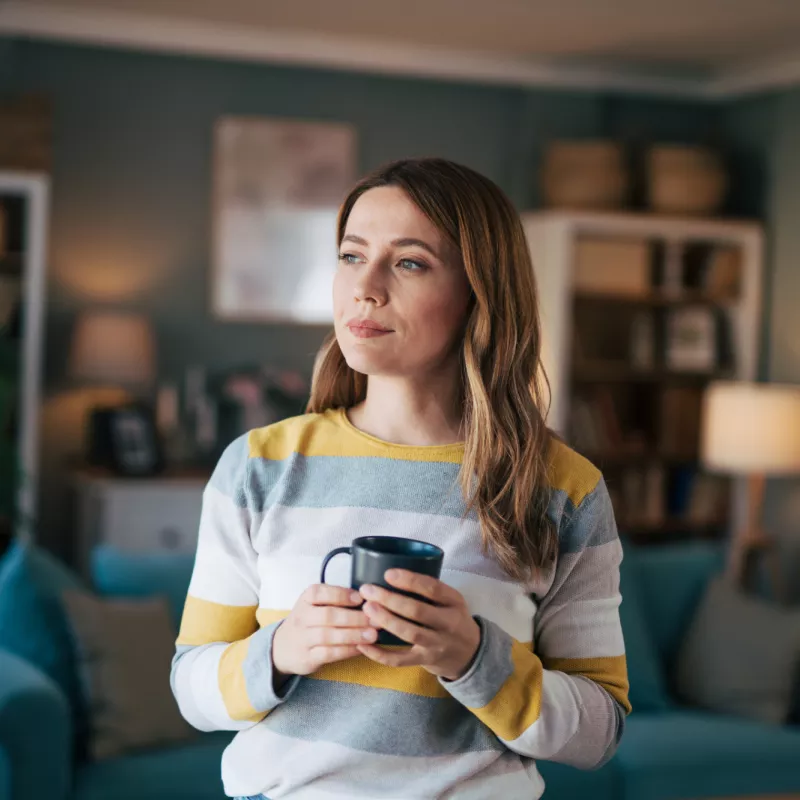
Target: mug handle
column 338, row 551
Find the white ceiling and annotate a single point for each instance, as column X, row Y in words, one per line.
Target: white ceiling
column 684, row 43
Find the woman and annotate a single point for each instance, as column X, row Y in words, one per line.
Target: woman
column 430, row 380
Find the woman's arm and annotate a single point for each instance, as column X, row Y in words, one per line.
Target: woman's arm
column 567, row 702
column 222, row 674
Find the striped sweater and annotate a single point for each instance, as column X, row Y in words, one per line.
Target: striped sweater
column 549, row 680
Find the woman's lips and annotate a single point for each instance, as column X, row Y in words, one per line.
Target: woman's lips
column 367, row 333
column 367, row 328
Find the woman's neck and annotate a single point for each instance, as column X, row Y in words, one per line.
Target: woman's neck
column 412, row 412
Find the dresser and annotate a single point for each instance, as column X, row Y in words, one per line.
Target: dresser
column 141, row 515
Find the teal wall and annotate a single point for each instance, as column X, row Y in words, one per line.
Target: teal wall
column 765, row 131
column 132, row 171
column 132, row 184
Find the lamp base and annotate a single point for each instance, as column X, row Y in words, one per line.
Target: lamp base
column 751, row 546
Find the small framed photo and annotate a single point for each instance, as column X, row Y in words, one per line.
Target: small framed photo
column 691, row 340
column 125, row 439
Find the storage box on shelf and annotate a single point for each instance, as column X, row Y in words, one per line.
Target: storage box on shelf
column 639, row 314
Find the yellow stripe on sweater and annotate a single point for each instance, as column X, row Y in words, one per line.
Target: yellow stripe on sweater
column 365, row 672
column 610, row 672
column 233, row 686
column 322, row 435
column 571, row 473
column 518, row 703
column 204, row 621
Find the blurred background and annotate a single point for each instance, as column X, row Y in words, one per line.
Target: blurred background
column 170, row 173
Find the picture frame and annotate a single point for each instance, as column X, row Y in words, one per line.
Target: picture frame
column 691, row 339
column 125, row 440
column 277, row 188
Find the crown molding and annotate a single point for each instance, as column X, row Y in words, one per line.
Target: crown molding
column 138, row 31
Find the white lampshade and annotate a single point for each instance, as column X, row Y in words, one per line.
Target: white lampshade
column 113, row 348
column 751, row 428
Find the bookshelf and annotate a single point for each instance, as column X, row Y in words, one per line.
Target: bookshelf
column 639, row 314
column 23, row 239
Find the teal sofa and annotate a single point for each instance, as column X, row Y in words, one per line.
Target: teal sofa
column 667, row 752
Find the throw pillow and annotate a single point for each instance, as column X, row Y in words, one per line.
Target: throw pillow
column 125, row 649
column 119, row 573
column 33, row 625
column 740, row 655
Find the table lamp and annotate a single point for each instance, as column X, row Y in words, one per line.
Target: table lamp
column 114, row 348
column 751, row 430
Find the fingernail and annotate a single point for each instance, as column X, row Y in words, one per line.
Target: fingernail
column 355, row 597
column 368, row 635
column 391, row 575
column 368, row 591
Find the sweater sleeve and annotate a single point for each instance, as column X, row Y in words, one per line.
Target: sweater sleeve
column 222, row 673
column 566, row 701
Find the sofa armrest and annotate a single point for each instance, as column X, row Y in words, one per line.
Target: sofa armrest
column 5, row 776
column 35, row 731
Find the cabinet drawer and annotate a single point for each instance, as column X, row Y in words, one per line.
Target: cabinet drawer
column 150, row 518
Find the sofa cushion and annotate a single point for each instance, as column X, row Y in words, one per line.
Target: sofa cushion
column 117, row 573
column 680, row 754
column 673, row 579
column 648, row 691
column 567, row 783
column 740, row 655
column 192, row 772
column 33, row 624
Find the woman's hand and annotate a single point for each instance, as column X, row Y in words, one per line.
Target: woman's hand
column 324, row 626
column 444, row 637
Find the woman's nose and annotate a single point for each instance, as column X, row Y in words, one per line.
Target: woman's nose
column 370, row 286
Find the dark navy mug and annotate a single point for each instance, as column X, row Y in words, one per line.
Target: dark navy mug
column 374, row 555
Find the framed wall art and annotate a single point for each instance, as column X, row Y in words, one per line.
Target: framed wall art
column 277, row 189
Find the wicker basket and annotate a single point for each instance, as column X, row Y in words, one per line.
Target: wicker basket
column 685, row 180
column 585, row 175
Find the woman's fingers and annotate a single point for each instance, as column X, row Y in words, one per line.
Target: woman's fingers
column 335, row 617
column 407, row 657
column 409, row 632
column 327, row 654
column 432, row 589
column 415, row 610
column 320, row 637
column 322, row 594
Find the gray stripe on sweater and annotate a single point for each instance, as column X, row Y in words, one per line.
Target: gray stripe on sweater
column 392, row 484
column 380, row 721
column 490, row 670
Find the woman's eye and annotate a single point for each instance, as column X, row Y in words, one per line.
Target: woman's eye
column 348, row 258
column 411, row 265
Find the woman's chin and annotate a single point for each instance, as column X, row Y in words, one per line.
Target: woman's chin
column 368, row 364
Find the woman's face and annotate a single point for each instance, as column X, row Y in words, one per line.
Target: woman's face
column 400, row 295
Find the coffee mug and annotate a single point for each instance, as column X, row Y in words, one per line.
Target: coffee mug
column 374, row 555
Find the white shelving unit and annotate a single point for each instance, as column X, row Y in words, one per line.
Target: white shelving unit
column 553, row 236
column 33, row 191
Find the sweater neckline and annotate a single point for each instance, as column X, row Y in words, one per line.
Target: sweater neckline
column 339, row 415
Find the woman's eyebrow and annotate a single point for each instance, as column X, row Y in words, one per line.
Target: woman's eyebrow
column 405, row 242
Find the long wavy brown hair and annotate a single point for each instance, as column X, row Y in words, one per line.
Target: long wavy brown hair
column 504, row 471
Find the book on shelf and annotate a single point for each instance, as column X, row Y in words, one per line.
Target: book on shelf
column 679, row 418
column 641, row 498
column 595, row 424
column 713, row 269
column 697, row 497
